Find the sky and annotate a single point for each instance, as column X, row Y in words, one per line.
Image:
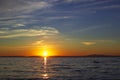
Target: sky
column 61, row 27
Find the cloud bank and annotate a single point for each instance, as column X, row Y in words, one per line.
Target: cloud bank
column 42, row 31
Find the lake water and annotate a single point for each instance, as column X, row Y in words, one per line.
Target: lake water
column 60, row 68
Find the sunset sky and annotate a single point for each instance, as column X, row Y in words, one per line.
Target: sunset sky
column 61, row 27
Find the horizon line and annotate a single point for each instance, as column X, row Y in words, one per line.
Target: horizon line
column 70, row 56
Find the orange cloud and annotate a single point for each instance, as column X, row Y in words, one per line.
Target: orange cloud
column 88, row 43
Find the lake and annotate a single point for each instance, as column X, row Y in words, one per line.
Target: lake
column 60, row 68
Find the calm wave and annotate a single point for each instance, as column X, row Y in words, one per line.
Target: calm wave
column 66, row 68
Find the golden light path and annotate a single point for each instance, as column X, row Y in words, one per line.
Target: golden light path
column 45, row 75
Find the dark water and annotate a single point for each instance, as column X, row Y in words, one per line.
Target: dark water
column 67, row 68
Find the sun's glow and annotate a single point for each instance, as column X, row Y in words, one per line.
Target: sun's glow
column 45, row 53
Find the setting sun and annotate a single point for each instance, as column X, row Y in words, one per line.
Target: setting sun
column 45, row 53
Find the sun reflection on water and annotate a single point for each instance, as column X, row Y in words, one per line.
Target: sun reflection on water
column 45, row 75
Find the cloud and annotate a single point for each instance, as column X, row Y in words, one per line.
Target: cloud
column 78, row 0
column 94, row 2
column 106, row 41
column 59, row 17
column 21, row 6
column 32, row 6
column 89, row 28
column 43, row 31
column 91, row 6
column 18, row 25
column 86, row 29
column 88, row 43
column 6, row 18
column 27, row 6
column 107, row 7
column 93, row 42
column 38, row 42
column 1, row 32
column 42, row 11
column 15, row 21
column 95, row 5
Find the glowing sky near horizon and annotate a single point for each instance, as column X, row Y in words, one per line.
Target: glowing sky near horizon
column 63, row 27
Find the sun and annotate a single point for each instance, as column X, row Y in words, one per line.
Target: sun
column 45, row 54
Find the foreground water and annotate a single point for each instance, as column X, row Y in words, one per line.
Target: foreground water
column 60, row 68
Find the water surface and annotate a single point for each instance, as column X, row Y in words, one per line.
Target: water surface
column 60, row 68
